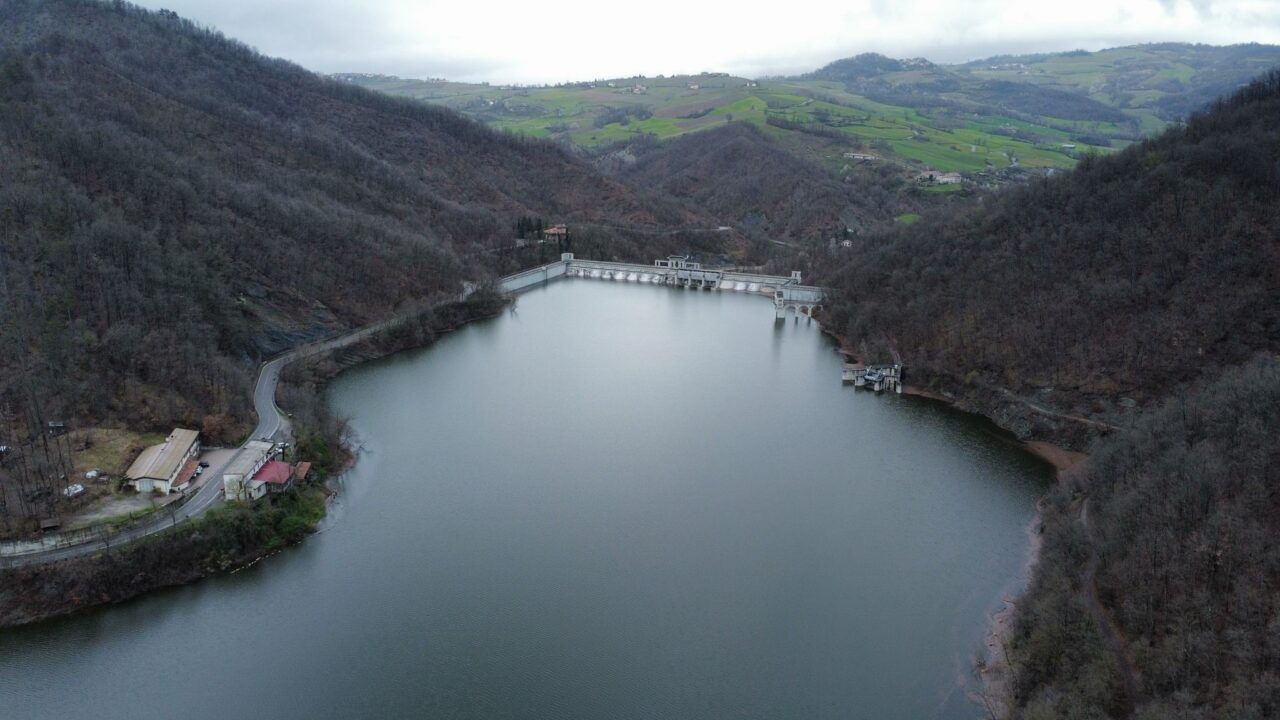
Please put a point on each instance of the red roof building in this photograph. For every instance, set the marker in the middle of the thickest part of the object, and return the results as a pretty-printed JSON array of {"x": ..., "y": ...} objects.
[
  {"x": 275, "y": 472},
  {"x": 186, "y": 474}
]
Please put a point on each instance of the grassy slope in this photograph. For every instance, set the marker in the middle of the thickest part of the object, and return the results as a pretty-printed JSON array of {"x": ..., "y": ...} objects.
[{"x": 1150, "y": 86}]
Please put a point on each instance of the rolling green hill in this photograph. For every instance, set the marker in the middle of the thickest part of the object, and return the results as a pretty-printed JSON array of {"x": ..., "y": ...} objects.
[{"x": 1035, "y": 112}]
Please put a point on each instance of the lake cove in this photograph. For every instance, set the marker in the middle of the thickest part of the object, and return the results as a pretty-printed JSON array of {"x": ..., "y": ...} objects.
[{"x": 615, "y": 501}]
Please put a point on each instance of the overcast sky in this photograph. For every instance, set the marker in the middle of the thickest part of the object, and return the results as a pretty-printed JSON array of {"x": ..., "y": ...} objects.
[{"x": 558, "y": 40}]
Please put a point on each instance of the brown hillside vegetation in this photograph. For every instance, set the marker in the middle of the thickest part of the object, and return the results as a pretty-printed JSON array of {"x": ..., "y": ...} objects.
[
  {"x": 1138, "y": 296},
  {"x": 743, "y": 177},
  {"x": 174, "y": 205},
  {"x": 1178, "y": 520},
  {"x": 1091, "y": 292}
]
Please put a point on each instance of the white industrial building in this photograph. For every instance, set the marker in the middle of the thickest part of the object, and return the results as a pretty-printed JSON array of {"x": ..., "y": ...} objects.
[{"x": 167, "y": 466}]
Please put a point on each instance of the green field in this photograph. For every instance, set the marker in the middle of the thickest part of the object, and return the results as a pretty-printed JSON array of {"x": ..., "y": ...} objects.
[{"x": 1033, "y": 111}]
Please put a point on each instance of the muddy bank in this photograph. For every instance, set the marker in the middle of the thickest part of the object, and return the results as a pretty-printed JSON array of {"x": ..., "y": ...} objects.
[{"x": 993, "y": 669}]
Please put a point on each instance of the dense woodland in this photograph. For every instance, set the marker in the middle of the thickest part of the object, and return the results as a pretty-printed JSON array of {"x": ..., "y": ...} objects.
[
  {"x": 740, "y": 175},
  {"x": 1093, "y": 293},
  {"x": 1121, "y": 300},
  {"x": 1168, "y": 533},
  {"x": 173, "y": 205}
]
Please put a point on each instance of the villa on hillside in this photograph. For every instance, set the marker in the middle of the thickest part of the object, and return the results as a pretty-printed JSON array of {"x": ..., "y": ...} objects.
[{"x": 168, "y": 466}]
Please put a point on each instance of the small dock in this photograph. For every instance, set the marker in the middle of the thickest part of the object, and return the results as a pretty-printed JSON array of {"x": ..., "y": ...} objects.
[{"x": 873, "y": 377}]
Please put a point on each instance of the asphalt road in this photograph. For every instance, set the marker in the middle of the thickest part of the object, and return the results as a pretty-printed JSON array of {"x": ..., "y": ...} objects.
[{"x": 272, "y": 425}]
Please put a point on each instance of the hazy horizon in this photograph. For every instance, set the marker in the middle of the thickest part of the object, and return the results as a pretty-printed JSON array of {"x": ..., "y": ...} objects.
[{"x": 570, "y": 40}]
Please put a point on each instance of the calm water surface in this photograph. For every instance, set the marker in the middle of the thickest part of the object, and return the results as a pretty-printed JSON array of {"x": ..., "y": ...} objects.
[{"x": 616, "y": 501}]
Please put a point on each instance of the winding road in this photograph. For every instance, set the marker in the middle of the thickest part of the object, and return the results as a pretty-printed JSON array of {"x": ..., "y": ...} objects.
[{"x": 272, "y": 425}]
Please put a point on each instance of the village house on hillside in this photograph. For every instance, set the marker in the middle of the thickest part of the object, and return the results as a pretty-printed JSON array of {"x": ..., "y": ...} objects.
[
  {"x": 933, "y": 177},
  {"x": 168, "y": 466},
  {"x": 556, "y": 232}
]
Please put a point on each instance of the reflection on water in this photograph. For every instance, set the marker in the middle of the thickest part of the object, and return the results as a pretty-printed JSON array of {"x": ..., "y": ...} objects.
[{"x": 621, "y": 501}]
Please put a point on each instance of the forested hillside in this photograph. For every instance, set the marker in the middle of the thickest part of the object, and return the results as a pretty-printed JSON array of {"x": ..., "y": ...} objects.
[
  {"x": 174, "y": 205},
  {"x": 1089, "y": 295},
  {"x": 1168, "y": 535},
  {"x": 742, "y": 176}
]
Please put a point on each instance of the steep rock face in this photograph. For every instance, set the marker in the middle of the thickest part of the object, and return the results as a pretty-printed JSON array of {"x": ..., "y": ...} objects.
[{"x": 172, "y": 202}]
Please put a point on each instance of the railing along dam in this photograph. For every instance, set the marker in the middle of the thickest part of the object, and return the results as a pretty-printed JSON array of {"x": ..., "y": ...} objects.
[{"x": 787, "y": 292}]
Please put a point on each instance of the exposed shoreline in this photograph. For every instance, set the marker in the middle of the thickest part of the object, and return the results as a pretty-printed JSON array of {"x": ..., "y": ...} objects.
[
  {"x": 1059, "y": 457},
  {"x": 993, "y": 670}
]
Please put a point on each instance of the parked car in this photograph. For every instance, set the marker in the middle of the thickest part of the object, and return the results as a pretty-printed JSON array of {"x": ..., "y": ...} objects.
[
  {"x": 203, "y": 463},
  {"x": 199, "y": 470},
  {"x": 75, "y": 490}
]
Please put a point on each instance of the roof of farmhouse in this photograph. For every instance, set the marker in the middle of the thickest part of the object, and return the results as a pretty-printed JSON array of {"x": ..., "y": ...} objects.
[{"x": 161, "y": 461}]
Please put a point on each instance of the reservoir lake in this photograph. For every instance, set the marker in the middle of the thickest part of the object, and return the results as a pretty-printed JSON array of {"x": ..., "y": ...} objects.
[{"x": 612, "y": 501}]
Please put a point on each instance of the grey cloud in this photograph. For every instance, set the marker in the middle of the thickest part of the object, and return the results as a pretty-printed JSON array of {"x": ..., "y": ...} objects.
[{"x": 350, "y": 35}]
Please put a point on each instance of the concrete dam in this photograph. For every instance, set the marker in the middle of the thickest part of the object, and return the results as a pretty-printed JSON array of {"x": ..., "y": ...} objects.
[{"x": 787, "y": 293}]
